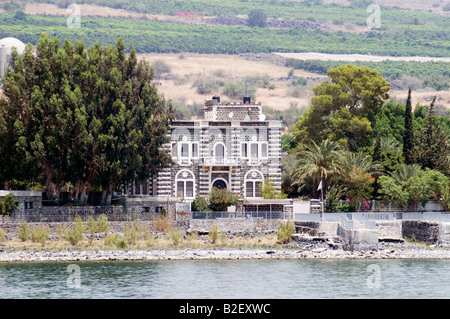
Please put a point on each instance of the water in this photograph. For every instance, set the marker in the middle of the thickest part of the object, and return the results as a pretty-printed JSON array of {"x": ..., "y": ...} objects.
[{"x": 249, "y": 279}]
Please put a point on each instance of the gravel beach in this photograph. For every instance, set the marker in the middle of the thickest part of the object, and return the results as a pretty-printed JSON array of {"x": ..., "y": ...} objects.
[{"x": 385, "y": 251}]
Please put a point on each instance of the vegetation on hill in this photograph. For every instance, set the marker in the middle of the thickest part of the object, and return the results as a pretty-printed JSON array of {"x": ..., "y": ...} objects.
[{"x": 433, "y": 74}]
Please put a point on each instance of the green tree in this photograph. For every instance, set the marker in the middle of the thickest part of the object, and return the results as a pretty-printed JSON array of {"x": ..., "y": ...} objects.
[
  {"x": 200, "y": 205},
  {"x": 88, "y": 117},
  {"x": 220, "y": 199},
  {"x": 315, "y": 163},
  {"x": 355, "y": 176},
  {"x": 268, "y": 191},
  {"x": 352, "y": 98},
  {"x": 419, "y": 187},
  {"x": 257, "y": 18},
  {"x": 351, "y": 131},
  {"x": 8, "y": 204},
  {"x": 408, "y": 136},
  {"x": 433, "y": 144}
]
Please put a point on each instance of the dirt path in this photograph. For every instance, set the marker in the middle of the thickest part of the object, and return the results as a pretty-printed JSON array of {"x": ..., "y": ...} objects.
[{"x": 357, "y": 57}]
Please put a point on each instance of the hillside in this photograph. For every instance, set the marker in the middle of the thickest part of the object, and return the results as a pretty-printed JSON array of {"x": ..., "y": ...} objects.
[
  {"x": 185, "y": 69},
  {"x": 209, "y": 43}
]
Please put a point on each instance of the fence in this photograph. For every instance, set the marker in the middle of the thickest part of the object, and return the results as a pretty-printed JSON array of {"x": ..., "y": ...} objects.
[
  {"x": 381, "y": 206},
  {"x": 370, "y": 219},
  {"x": 69, "y": 214},
  {"x": 259, "y": 214}
]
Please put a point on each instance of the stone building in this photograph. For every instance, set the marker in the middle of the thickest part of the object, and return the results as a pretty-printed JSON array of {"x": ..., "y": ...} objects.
[{"x": 232, "y": 147}]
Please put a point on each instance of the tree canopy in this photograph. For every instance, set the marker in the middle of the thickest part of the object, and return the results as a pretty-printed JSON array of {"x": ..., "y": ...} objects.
[
  {"x": 80, "y": 117},
  {"x": 344, "y": 108}
]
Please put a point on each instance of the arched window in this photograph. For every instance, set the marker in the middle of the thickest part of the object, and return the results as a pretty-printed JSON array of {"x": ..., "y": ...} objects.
[
  {"x": 220, "y": 183},
  {"x": 253, "y": 181},
  {"x": 185, "y": 184},
  {"x": 219, "y": 152}
]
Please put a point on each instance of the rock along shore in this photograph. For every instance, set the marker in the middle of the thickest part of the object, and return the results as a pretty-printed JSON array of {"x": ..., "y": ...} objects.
[{"x": 387, "y": 252}]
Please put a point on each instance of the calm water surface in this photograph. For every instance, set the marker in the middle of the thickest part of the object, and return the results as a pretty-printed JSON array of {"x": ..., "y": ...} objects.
[{"x": 276, "y": 279}]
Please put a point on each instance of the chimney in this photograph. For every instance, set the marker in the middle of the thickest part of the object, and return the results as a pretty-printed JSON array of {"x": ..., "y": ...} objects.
[{"x": 217, "y": 98}]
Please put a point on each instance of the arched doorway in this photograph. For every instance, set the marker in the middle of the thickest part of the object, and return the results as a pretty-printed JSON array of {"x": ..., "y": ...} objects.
[{"x": 220, "y": 184}]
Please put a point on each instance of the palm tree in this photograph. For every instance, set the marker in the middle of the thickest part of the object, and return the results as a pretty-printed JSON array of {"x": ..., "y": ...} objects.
[
  {"x": 315, "y": 163},
  {"x": 355, "y": 177},
  {"x": 405, "y": 172},
  {"x": 390, "y": 144},
  {"x": 348, "y": 161}
]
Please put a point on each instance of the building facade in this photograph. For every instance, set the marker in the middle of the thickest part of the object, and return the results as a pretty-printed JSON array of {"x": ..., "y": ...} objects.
[{"x": 232, "y": 147}]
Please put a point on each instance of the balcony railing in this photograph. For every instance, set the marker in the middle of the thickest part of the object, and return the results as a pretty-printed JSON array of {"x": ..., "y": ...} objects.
[
  {"x": 221, "y": 161},
  {"x": 211, "y": 161}
]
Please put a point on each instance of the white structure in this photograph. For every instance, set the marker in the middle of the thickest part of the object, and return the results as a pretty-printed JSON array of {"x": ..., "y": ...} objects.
[{"x": 6, "y": 47}]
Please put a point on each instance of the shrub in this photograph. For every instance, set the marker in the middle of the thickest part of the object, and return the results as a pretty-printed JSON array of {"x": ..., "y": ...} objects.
[
  {"x": 8, "y": 204},
  {"x": 75, "y": 234},
  {"x": 92, "y": 225},
  {"x": 162, "y": 223},
  {"x": 134, "y": 232},
  {"x": 176, "y": 237},
  {"x": 120, "y": 242},
  {"x": 39, "y": 234},
  {"x": 160, "y": 67},
  {"x": 214, "y": 234},
  {"x": 285, "y": 232},
  {"x": 102, "y": 223},
  {"x": 200, "y": 205},
  {"x": 2, "y": 235},
  {"x": 110, "y": 239},
  {"x": 24, "y": 231},
  {"x": 257, "y": 18},
  {"x": 220, "y": 199}
]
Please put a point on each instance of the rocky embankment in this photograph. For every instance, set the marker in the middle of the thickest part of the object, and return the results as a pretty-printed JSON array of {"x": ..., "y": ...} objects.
[{"x": 295, "y": 251}]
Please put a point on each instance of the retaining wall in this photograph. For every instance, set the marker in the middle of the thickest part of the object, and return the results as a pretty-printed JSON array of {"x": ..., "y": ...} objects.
[{"x": 235, "y": 225}]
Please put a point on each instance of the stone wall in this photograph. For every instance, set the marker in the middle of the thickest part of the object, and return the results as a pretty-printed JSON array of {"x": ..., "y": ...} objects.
[
  {"x": 421, "y": 231},
  {"x": 235, "y": 225}
]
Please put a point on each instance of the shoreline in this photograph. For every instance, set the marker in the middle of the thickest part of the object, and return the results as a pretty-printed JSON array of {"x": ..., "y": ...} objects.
[{"x": 386, "y": 252}]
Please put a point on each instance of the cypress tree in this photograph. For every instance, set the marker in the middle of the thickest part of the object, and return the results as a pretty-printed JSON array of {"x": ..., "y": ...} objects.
[
  {"x": 408, "y": 137},
  {"x": 433, "y": 147}
]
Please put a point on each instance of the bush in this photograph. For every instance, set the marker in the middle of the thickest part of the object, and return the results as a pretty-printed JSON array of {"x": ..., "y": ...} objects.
[
  {"x": 24, "y": 231},
  {"x": 285, "y": 232},
  {"x": 39, "y": 234},
  {"x": 8, "y": 204},
  {"x": 2, "y": 235},
  {"x": 176, "y": 237},
  {"x": 160, "y": 67},
  {"x": 102, "y": 223},
  {"x": 133, "y": 233},
  {"x": 120, "y": 242},
  {"x": 220, "y": 199},
  {"x": 162, "y": 223},
  {"x": 214, "y": 234},
  {"x": 257, "y": 18},
  {"x": 75, "y": 234},
  {"x": 200, "y": 205}
]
